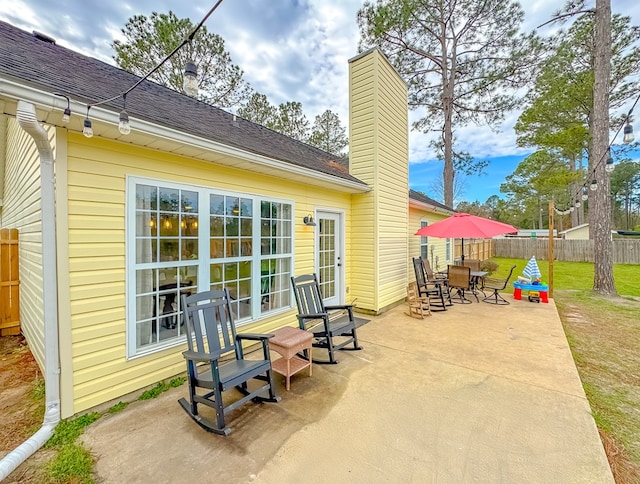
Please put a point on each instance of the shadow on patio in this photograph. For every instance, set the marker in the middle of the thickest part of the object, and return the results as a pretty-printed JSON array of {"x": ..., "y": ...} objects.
[{"x": 478, "y": 393}]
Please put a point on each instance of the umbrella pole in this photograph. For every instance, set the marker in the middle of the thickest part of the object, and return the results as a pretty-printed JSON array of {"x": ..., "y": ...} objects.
[{"x": 462, "y": 255}]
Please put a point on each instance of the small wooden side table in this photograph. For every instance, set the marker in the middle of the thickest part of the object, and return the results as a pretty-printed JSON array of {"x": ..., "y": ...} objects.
[{"x": 287, "y": 342}]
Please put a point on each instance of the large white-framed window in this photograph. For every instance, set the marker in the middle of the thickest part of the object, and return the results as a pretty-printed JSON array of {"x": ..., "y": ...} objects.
[
  {"x": 182, "y": 239},
  {"x": 424, "y": 242}
]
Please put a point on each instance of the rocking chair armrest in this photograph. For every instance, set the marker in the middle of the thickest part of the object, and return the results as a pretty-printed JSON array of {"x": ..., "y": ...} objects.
[
  {"x": 312, "y": 316},
  {"x": 340, "y": 306},
  {"x": 197, "y": 356},
  {"x": 254, "y": 336}
]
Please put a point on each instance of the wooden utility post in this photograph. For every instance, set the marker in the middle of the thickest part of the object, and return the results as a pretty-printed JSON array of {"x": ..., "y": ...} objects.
[{"x": 550, "y": 254}]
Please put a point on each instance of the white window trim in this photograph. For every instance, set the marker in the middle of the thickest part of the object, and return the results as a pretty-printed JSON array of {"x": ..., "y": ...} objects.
[{"x": 204, "y": 259}]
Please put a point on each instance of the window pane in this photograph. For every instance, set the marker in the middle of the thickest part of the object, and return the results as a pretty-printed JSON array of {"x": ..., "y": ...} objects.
[
  {"x": 169, "y": 199},
  {"x": 169, "y": 249},
  {"x": 233, "y": 206},
  {"x": 189, "y": 225},
  {"x": 216, "y": 205},
  {"x": 189, "y": 201},
  {"x": 146, "y": 197},
  {"x": 246, "y": 207},
  {"x": 274, "y": 286},
  {"x": 217, "y": 226}
]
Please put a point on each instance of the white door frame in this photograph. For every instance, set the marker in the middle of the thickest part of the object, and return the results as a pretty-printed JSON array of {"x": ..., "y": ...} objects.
[{"x": 338, "y": 256}]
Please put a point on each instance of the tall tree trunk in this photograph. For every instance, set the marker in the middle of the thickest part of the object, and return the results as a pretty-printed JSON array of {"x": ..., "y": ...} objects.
[
  {"x": 600, "y": 200},
  {"x": 448, "y": 83}
]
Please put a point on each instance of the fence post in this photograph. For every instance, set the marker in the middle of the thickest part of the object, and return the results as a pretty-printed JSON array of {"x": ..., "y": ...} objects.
[
  {"x": 551, "y": 255},
  {"x": 9, "y": 283}
]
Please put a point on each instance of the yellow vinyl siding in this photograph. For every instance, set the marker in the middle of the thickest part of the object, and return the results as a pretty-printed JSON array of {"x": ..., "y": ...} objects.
[
  {"x": 97, "y": 173},
  {"x": 416, "y": 216},
  {"x": 379, "y": 157},
  {"x": 22, "y": 210}
]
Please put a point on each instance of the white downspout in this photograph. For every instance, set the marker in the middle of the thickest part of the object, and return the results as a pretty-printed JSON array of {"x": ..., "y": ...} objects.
[{"x": 26, "y": 116}]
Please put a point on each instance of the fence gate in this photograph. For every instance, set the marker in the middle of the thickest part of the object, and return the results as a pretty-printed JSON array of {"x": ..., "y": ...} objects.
[{"x": 9, "y": 283}]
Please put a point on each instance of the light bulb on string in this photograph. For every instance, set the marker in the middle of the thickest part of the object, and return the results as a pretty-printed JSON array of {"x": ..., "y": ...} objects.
[
  {"x": 585, "y": 194},
  {"x": 594, "y": 185},
  {"x": 578, "y": 203},
  {"x": 123, "y": 125},
  {"x": 628, "y": 133},
  {"x": 609, "y": 166},
  {"x": 190, "y": 79}
]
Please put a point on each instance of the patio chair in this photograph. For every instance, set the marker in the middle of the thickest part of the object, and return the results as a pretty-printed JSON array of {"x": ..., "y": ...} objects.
[
  {"x": 433, "y": 290},
  {"x": 418, "y": 305},
  {"x": 438, "y": 278},
  {"x": 329, "y": 333},
  {"x": 213, "y": 342},
  {"x": 460, "y": 280},
  {"x": 496, "y": 285}
]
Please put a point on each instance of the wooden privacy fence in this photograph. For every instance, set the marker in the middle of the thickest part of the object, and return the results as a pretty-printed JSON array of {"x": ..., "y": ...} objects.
[
  {"x": 473, "y": 248},
  {"x": 625, "y": 251},
  {"x": 9, "y": 283}
]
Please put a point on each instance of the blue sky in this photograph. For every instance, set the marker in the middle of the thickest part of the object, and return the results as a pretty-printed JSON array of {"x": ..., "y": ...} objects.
[{"x": 290, "y": 50}]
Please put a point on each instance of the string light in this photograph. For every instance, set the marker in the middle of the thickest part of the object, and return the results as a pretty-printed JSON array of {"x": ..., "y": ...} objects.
[
  {"x": 123, "y": 126},
  {"x": 87, "y": 130},
  {"x": 66, "y": 115},
  {"x": 609, "y": 166},
  {"x": 190, "y": 80},
  {"x": 190, "y": 72},
  {"x": 628, "y": 132}
]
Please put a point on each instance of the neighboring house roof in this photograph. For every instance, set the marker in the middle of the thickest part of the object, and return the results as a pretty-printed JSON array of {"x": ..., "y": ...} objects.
[
  {"x": 29, "y": 60},
  {"x": 425, "y": 200},
  {"x": 573, "y": 229}
]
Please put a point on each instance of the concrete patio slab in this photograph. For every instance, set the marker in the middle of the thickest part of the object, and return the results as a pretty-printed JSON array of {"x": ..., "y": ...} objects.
[{"x": 478, "y": 393}]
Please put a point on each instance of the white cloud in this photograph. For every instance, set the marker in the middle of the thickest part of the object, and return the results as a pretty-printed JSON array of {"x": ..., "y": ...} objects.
[{"x": 290, "y": 50}]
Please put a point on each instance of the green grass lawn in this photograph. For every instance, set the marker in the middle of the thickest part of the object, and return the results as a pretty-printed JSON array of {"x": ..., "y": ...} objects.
[
  {"x": 604, "y": 336},
  {"x": 574, "y": 275}
]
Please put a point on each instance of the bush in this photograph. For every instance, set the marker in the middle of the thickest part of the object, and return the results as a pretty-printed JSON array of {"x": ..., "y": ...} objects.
[{"x": 488, "y": 266}]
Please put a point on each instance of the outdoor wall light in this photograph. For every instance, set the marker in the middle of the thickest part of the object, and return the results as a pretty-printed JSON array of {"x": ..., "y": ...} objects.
[{"x": 308, "y": 220}]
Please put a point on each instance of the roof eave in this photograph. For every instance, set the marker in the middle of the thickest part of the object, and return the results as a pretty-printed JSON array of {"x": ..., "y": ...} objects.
[{"x": 105, "y": 122}]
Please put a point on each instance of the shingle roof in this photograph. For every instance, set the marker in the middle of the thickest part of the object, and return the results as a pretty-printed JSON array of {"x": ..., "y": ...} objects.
[
  {"x": 51, "y": 68},
  {"x": 421, "y": 197}
]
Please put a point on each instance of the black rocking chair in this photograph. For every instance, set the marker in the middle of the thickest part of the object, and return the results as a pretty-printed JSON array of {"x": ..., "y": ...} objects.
[
  {"x": 211, "y": 335},
  {"x": 314, "y": 316},
  {"x": 436, "y": 289}
]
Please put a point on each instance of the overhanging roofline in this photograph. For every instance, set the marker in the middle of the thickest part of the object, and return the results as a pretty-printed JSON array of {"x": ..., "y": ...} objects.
[
  {"x": 428, "y": 206},
  {"x": 49, "y": 103}
]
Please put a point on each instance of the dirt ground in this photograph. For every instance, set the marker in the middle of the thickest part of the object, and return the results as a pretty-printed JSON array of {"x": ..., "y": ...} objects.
[{"x": 21, "y": 407}]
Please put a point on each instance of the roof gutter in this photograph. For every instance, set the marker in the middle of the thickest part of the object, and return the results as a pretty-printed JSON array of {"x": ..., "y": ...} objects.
[
  {"x": 49, "y": 102},
  {"x": 26, "y": 115}
]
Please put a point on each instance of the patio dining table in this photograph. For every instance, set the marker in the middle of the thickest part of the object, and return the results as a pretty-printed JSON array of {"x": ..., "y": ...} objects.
[{"x": 475, "y": 278}]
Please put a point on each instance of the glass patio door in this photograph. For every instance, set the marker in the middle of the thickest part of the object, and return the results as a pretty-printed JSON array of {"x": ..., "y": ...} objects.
[{"x": 329, "y": 257}]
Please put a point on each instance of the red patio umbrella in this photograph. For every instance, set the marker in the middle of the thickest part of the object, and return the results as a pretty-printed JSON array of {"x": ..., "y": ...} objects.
[{"x": 465, "y": 225}]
